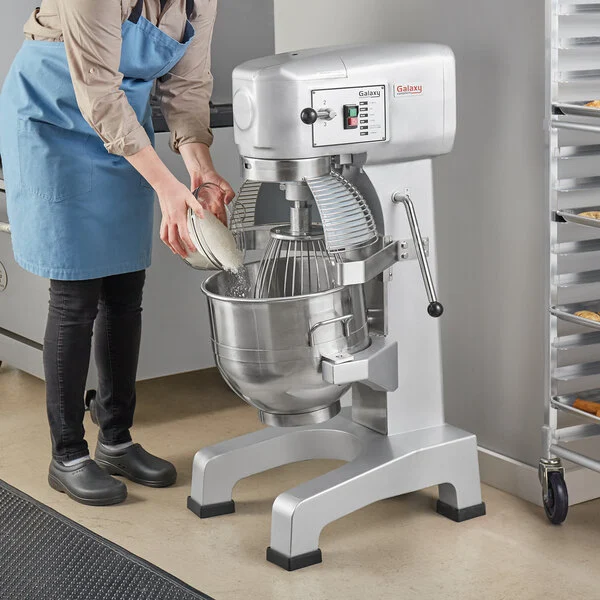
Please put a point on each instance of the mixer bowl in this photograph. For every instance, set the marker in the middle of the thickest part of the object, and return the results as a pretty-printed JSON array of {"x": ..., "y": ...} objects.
[{"x": 269, "y": 351}]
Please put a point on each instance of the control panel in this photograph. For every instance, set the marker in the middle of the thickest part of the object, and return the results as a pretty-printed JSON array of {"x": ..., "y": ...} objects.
[{"x": 349, "y": 115}]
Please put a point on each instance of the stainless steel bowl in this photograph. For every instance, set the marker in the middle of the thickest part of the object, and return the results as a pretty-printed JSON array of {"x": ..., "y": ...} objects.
[{"x": 269, "y": 351}]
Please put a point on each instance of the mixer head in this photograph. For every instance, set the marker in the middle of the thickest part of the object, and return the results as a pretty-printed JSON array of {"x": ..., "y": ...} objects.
[
  {"x": 384, "y": 103},
  {"x": 394, "y": 102}
]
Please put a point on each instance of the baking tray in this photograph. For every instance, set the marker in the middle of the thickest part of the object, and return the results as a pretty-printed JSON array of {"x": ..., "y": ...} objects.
[
  {"x": 572, "y": 216},
  {"x": 567, "y": 313},
  {"x": 578, "y": 109},
  {"x": 565, "y": 403}
]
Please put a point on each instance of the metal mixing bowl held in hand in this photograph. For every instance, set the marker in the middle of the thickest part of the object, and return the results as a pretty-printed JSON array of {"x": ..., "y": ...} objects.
[{"x": 270, "y": 350}]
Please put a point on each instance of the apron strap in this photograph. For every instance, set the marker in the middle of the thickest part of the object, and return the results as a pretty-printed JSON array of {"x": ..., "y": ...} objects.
[
  {"x": 189, "y": 8},
  {"x": 136, "y": 13}
]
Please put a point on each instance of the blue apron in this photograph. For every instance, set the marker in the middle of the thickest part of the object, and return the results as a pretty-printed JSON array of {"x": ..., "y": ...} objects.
[{"x": 77, "y": 212}]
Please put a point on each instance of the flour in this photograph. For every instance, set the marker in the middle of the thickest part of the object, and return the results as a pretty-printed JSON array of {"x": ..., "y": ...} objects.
[
  {"x": 220, "y": 241},
  {"x": 239, "y": 285}
]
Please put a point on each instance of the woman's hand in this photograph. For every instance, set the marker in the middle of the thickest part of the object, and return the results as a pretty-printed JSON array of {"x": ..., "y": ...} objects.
[
  {"x": 175, "y": 199},
  {"x": 201, "y": 169}
]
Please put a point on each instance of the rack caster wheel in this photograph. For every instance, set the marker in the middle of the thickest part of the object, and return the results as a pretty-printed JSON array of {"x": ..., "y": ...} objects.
[
  {"x": 90, "y": 397},
  {"x": 556, "y": 503}
]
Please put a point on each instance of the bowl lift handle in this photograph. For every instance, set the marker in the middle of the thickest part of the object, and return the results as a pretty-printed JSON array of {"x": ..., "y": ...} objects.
[
  {"x": 435, "y": 308},
  {"x": 344, "y": 320}
]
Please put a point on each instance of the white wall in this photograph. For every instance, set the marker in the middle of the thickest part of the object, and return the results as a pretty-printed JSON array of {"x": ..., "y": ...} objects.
[{"x": 489, "y": 192}]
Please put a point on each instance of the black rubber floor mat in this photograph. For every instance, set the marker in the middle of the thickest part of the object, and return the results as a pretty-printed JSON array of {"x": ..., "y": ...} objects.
[{"x": 45, "y": 556}]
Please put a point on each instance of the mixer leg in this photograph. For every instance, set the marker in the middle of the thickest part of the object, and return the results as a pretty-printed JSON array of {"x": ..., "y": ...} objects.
[
  {"x": 460, "y": 498},
  {"x": 218, "y": 468},
  {"x": 389, "y": 466}
]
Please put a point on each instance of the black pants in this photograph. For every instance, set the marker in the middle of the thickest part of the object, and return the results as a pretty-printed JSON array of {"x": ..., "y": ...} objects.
[{"x": 114, "y": 304}]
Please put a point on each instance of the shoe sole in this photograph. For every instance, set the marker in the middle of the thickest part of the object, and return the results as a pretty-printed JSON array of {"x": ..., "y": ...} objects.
[
  {"x": 114, "y": 470},
  {"x": 57, "y": 485}
]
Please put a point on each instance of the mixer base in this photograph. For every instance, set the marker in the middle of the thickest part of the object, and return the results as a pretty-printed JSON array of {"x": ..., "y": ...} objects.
[{"x": 378, "y": 467}]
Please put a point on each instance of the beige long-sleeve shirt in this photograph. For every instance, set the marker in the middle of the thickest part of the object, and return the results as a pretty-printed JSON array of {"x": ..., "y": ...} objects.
[{"x": 91, "y": 31}]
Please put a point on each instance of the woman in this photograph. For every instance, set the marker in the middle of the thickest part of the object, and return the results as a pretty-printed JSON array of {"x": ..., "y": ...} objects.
[{"x": 81, "y": 172}]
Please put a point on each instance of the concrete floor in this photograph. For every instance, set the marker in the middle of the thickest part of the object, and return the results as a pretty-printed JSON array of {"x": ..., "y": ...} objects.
[{"x": 396, "y": 549}]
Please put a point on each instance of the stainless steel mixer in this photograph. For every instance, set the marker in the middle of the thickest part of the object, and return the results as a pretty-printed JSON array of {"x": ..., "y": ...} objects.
[{"x": 334, "y": 308}]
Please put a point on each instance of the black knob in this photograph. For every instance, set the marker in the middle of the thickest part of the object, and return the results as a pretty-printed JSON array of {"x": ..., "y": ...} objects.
[
  {"x": 309, "y": 116},
  {"x": 435, "y": 310}
]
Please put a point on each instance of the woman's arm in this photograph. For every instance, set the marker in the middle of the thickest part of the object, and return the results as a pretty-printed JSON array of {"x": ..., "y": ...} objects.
[
  {"x": 174, "y": 199},
  {"x": 185, "y": 94},
  {"x": 92, "y": 36},
  {"x": 185, "y": 91}
]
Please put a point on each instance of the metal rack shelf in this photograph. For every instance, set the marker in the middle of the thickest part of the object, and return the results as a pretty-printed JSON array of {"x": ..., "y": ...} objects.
[
  {"x": 573, "y": 152},
  {"x": 574, "y": 215},
  {"x": 558, "y": 122},
  {"x": 575, "y": 76},
  {"x": 567, "y": 281},
  {"x": 577, "y": 184},
  {"x": 567, "y": 313},
  {"x": 578, "y": 43},
  {"x": 578, "y": 109},
  {"x": 577, "y": 341},
  {"x": 579, "y": 8},
  {"x": 577, "y": 372},
  {"x": 565, "y": 404},
  {"x": 569, "y": 249}
]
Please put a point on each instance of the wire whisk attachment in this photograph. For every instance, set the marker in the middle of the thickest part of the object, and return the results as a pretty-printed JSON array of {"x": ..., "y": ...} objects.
[{"x": 295, "y": 265}]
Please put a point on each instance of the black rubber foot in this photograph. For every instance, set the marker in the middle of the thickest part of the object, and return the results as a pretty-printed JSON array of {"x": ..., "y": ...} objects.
[
  {"x": 295, "y": 562},
  {"x": 461, "y": 514},
  {"x": 211, "y": 510}
]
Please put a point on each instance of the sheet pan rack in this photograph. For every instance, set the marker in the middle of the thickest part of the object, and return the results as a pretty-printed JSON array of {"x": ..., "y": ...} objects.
[{"x": 573, "y": 129}]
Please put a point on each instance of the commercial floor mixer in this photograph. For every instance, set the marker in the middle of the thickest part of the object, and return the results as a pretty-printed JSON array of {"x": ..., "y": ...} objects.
[{"x": 334, "y": 310}]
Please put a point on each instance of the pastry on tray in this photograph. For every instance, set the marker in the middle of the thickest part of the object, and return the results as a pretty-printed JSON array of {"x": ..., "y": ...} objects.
[
  {"x": 588, "y": 314},
  {"x": 594, "y": 104},
  {"x": 587, "y": 406},
  {"x": 590, "y": 214}
]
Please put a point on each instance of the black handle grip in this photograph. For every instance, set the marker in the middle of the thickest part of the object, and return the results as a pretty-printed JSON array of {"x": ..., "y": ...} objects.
[
  {"x": 309, "y": 116},
  {"x": 435, "y": 309}
]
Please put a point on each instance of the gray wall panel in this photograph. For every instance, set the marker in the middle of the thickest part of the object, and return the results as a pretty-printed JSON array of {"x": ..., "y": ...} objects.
[
  {"x": 243, "y": 30},
  {"x": 11, "y": 30}
]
